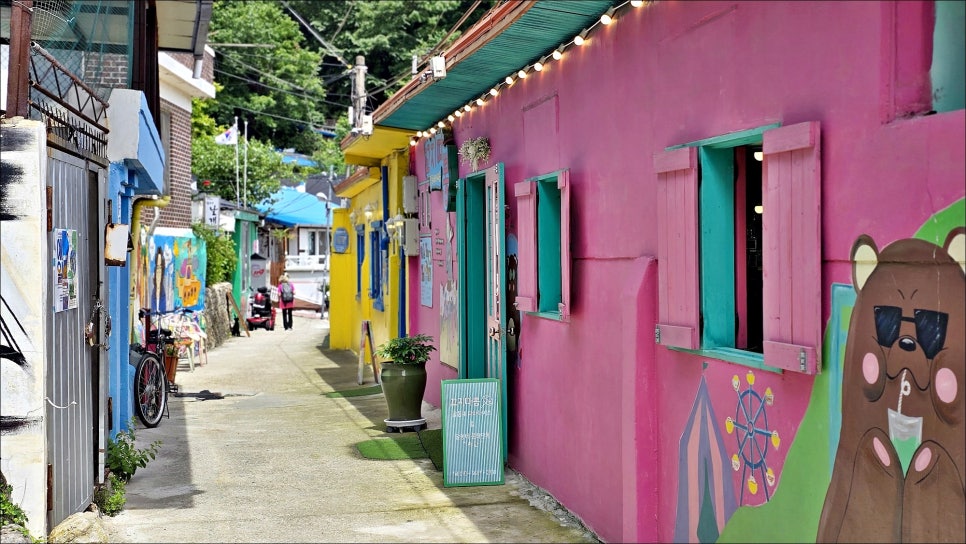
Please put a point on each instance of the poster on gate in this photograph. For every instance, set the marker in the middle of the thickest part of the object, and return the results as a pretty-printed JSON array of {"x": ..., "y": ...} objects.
[{"x": 65, "y": 269}]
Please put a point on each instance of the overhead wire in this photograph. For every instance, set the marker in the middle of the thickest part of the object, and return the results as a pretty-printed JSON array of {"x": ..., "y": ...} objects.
[{"x": 284, "y": 91}]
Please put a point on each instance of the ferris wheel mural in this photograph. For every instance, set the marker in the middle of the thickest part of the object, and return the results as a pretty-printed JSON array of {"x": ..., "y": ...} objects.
[{"x": 754, "y": 437}]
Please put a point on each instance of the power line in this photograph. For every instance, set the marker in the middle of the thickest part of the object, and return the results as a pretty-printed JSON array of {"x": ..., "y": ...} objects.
[
  {"x": 284, "y": 91},
  {"x": 266, "y": 74},
  {"x": 299, "y": 121}
]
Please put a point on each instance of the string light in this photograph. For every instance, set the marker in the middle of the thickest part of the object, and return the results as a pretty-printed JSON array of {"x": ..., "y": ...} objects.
[
  {"x": 607, "y": 18},
  {"x": 557, "y": 54}
]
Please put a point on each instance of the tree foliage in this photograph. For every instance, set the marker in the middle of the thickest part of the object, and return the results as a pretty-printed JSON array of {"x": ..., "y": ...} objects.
[
  {"x": 387, "y": 33},
  {"x": 268, "y": 75},
  {"x": 220, "y": 251},
  {"x": 214, "y": 166}
]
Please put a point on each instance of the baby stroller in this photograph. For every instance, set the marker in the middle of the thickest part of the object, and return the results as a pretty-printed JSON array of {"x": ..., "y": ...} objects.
[{"x": 262, "y": 311}]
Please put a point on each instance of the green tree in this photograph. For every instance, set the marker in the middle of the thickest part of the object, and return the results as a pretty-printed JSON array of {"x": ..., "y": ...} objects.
[
  {"x": 214, "y": 166},
  {"x": 387, "y": 33},
  {"x": 220, "y": 251},
  {"x": 270, "y": 78}
]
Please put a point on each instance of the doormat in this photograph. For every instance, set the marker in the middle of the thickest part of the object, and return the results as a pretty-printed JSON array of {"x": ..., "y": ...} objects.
[
  {"x": 358, "y": 392},
  {"x": 419, "y": 445}
]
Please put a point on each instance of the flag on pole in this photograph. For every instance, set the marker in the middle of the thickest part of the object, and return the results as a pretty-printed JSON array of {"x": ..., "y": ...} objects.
[{"x": 229, "y": 137}]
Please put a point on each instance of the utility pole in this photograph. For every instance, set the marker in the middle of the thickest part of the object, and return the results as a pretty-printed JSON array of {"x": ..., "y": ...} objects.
[{"x": 358, "y": 113}]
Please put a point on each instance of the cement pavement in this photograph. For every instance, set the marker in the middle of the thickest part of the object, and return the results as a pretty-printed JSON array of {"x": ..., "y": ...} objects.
[{"x": 255, "y": 452}]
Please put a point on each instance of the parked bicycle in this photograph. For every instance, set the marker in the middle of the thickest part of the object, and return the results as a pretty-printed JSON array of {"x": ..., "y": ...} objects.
[{"x": 151, "y": 386}]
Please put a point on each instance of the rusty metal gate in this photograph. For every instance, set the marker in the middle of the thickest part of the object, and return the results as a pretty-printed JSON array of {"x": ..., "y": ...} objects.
[{"x": 75, "y": 370}]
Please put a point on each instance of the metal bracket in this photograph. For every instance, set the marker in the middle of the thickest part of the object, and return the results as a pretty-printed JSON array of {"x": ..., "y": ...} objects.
[
  {"x": 657, "y": 334},
  {"x": 802, "y": 358}
]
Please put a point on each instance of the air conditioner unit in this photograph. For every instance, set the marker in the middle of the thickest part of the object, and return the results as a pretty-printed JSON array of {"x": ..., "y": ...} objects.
[
  {"x": 409, "y": 199},
  {"x": 438, "y": 66}
]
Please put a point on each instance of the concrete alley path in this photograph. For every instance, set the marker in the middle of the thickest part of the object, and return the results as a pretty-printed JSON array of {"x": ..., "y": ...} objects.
[{"x": 267, "y": 457}]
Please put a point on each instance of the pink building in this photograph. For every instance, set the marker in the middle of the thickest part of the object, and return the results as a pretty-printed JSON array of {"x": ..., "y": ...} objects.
[{"x": 715, "y": 256}]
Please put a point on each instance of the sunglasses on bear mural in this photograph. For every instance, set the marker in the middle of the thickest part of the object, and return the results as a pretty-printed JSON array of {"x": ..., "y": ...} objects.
[{"x": 930, "y": 328}]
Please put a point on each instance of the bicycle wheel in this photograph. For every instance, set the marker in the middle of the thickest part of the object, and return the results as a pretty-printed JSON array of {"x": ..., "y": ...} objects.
[{"x": 150, "y": 393}]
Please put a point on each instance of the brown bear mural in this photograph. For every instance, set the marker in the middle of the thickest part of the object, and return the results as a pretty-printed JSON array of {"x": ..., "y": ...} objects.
[{"x": 899, "y": 468}]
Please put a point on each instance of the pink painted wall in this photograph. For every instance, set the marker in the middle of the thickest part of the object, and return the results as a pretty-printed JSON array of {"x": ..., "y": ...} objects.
[{"x": 667, "y": 74}]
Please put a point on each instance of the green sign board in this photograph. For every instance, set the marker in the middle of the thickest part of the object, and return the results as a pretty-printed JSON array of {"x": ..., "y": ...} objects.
[{"x": 472, "y": 432}]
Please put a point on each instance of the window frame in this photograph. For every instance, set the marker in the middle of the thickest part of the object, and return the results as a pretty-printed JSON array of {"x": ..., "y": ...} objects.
[
  {"x": 791, "y": 310},
  {"x": 543, "y": 220},
  {"x": 376, "y": 265},
  {"x": 360, "y": 258}
]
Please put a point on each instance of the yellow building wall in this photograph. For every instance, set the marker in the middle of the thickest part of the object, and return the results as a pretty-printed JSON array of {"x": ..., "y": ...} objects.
[{"x": 349, "y": 306}]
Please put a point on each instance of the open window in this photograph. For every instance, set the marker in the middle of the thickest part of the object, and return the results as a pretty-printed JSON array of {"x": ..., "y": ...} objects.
[
  {"x": 739, "y": 247},
  {"x": 543, "y": 266}
]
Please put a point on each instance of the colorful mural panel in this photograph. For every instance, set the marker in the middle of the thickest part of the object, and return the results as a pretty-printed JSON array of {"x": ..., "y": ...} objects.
[
  {"x": 170, "y": 273},
  {"x": 849, "y": 410},
  {"x": 900, "y": 462},
  {"x": 705, "y": 493},
  {"x": 177, "y": 273}
]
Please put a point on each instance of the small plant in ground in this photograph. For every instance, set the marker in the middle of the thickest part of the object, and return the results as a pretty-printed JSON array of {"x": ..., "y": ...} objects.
[
  {"x": 110, "y": 498},
  {"x": 124, "y": 457},
  {"x": 10, "y": 512}
]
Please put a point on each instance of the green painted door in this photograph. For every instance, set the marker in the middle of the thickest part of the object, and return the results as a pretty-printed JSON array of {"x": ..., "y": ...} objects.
[{"x": 482, "y": 275}]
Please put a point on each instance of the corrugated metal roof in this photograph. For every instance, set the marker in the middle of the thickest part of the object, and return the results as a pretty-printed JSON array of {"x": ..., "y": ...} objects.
[{"x": 544, "y": 26}]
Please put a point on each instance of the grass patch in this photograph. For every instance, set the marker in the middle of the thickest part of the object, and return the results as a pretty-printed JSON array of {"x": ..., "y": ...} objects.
[
  {"x": 358, "y": 392},
  {"x": 428, "y": 443}
]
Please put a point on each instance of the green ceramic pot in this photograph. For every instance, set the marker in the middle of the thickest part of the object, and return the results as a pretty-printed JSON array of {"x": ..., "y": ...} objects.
[{"x": 403, "y": 387}]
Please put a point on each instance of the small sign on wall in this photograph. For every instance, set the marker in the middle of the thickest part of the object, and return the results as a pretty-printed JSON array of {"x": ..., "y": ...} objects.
[
  {"x": 212, "y": 208},
  {"x": 340, "y": 240}
]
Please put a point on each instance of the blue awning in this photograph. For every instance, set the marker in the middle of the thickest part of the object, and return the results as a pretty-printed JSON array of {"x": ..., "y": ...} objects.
[{"x": 291, "y": 208}]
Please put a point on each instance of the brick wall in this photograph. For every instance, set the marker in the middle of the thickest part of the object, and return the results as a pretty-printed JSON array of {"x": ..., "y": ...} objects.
[
  {"x": 178, "y": 212},
  {"x": 188, "y": 60},
  {"x": 107, "y": 71}
]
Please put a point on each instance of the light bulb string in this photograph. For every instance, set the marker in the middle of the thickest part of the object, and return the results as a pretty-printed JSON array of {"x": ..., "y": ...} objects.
[{"x": 522, "y": 73}]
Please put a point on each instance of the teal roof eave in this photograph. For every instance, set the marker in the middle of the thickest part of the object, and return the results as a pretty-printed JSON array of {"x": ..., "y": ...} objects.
[{"x": 547, "y": 24}]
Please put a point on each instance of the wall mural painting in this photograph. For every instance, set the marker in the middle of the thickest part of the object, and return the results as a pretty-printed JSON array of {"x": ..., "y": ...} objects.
[
  {"x": 706, "y": 496},
  {"x": 896, "y": 468},
  {"x": 754, "y": 438},
  {"x": 21, "y": 404},
  {"x": 26, "y": 263},
  {"x": 177, "y": 273},
  {"x": 900, "y": 465},
  {"x": 449, "y": 311}
]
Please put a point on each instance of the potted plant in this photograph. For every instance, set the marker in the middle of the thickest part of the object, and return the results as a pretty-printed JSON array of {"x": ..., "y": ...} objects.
[
  {"x": 171, "y": 355},
  {"x": 403, "y": 378}
]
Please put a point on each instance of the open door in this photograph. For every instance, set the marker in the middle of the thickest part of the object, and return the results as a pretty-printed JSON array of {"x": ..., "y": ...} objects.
[{"x": 482, "y": 276}]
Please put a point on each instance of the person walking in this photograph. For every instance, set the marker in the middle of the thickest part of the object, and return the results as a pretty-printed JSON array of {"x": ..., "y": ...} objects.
[{"x": 286, "y": 300}]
